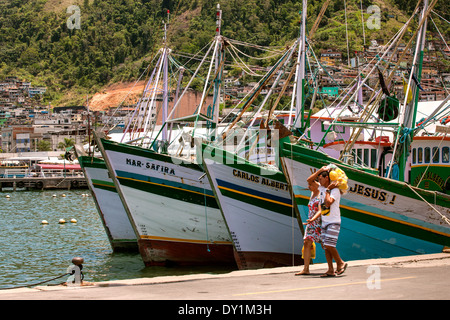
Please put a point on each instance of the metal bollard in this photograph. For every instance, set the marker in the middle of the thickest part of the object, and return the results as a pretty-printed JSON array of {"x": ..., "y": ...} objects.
[{"x": 76, "y": 276}]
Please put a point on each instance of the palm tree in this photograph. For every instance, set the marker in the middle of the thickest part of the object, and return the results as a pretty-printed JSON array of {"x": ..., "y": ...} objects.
[{"x": 68, "y": 142}]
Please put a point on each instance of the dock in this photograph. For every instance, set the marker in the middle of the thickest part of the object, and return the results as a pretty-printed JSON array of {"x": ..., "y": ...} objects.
[
  {"x": 42, "y": 176},
  {"x": 400, "y": 278},
  {"x": 44, "y": 183}
]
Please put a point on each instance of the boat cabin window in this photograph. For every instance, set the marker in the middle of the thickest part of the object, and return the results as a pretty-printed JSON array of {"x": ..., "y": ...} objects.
[
  {"x": 430, "y": 155},
  {"x": 359, "y": 156},
  {"x": 435, "y": 154},
  {"x": 335, "y": 128},
  {"x": 367, "y": 157},
  {"x": 419, "y": 155},
  {"x": 427, "y": 154},
  {"x": 373, "y": 158},
  {"x": 445, "y": 154}
]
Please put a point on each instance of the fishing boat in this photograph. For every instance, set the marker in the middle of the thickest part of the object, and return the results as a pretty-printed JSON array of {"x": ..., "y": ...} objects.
[
  {"x": 253, "y": 192},
  {"x": 253, "y": 195},
  {"x": 177, "y": 216},
  {"x": 17, "y": 166},
  {"x": 382, "y": 216},
  {"x": 168, "y": 198},
  {"x": 45, "y": 175},
  {"x": 258, "y": 210},
  {"x": 112, "y": 213}
]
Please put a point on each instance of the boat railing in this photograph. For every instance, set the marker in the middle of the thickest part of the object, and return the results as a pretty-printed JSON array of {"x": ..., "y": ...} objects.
[
  {"x": 15, "y": 173},
  {"x": 57, "y": 173},
  {"x": 46, "y": 173}
]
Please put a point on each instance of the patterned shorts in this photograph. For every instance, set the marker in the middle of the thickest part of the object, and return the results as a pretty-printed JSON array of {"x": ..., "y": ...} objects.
[{"x": 330, "y": 234}]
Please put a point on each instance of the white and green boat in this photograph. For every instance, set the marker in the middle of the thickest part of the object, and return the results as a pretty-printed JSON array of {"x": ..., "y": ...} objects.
[
  {"x": 174, "y": 212},
  {"x": 254, "y": 195},
  {"x": 167, "y": 197},
  {"x": 258, "y": 210},
  {"x": 112, "y": 213}
]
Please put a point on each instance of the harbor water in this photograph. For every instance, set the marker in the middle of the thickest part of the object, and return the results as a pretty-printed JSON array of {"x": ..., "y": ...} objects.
[{"x": 32, "y": 252}]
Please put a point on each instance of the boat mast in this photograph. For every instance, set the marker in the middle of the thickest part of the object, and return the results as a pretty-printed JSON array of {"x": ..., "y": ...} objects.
[
  {"x": 165, "y": 86},
  {"x": 408, "y": 116},
  {"x": 218, "y": 80},
  {"x": 300, "y": 83},
  {"x": 89, "y": 126}
]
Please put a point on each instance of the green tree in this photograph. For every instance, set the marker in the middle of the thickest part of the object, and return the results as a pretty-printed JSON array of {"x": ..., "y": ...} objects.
[
  {"x": 44, "y": 145},
  {"x": 68, "y": 142}
]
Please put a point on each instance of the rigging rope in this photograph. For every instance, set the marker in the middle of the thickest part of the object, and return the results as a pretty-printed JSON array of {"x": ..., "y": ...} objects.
[
  {"x": 366, "y": 114},
  {"x": 276, "y": 54},
  {"x": 264, "y": 48},
  {"x": 440, "y": 16},
  {"x": 241, "y": 63},
  {"x": 445, "y": 42}
]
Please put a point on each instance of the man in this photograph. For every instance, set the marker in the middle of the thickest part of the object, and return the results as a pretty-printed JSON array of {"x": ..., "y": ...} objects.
[{"x": 330, "y": 196}]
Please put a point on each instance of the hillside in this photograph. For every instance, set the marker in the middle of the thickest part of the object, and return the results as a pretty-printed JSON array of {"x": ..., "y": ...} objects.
[
  {"x": 116, "y": 94},
  {"x": 117, "y": 38}
]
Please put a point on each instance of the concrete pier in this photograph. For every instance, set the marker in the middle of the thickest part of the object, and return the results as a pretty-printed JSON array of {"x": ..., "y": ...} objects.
[{"x": 401, "y": 278}]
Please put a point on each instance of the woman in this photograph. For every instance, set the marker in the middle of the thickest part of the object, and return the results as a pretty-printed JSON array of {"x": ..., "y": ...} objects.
[{"x": 313, "y": 229}]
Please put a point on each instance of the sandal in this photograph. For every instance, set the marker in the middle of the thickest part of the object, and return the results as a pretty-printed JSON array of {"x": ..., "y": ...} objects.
[
  {"x": 325, "y": 275},
  {"x": 342, "y": 270}
]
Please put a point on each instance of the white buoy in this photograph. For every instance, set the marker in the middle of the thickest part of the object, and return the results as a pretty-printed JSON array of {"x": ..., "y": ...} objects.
[
  {"x": 73, "y": 220},
  {"x": 8, "y": 196},
  {"x": 44, "y": 222},
  {"x": 62, "y": 221},
  {"x": 83, "y": 195},
  {"x": 54, "y": 196}
]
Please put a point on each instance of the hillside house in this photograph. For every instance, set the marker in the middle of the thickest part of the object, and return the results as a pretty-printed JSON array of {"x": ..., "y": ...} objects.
[{"x": 330, "y": 57}]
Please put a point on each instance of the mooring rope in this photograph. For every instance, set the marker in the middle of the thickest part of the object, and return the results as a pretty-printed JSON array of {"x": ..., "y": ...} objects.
[
  {"x": 447, "y": 220},
  {"x": 35, "y": 284}
]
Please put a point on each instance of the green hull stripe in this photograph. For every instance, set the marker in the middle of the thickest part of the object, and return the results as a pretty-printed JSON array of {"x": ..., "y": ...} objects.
[
  {"x": 104, "y": 185},
  {"x": 91, "y": 162},
  {"x": 170, "y": 192},
  {"x": 147, "y": 153}
]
